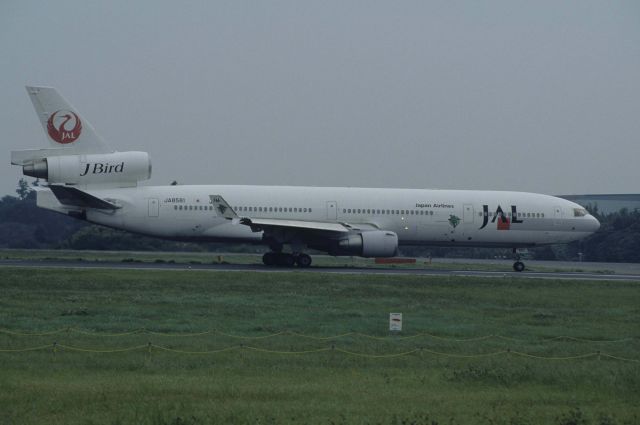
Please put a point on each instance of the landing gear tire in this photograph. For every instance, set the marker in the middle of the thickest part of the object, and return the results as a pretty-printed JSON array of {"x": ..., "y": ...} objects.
[
  {"x": 518, "y": 266},
  {"x": 270, "y": 259},
  {"x": 303, "y": 260},
  {"x": 286, "y": 260}
]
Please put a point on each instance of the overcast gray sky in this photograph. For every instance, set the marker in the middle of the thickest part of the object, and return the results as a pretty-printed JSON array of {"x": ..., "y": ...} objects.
[{"x": 533, "y": 95}]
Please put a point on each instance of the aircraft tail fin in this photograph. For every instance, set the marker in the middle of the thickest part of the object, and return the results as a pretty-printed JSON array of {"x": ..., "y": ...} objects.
[{"x": 64, "y": 126}]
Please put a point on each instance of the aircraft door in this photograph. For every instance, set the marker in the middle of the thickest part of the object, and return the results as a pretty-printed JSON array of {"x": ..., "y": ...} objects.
[
  {"x": 154, "y": 207},
  {"x": 468, "y": 217},
  {"x": 332, "y": 210},
  {"x": 557, "y": 215},
  {"x": 467, "y": 214}
]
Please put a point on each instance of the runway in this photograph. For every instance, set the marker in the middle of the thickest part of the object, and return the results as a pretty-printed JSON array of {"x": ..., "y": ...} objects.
[{"x": 255, "y": 268}]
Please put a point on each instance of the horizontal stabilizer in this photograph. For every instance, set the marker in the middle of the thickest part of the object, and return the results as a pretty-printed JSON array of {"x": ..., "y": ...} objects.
[
  {"x": 29, "y": 156},
  {"x": 75, "y": 197}
]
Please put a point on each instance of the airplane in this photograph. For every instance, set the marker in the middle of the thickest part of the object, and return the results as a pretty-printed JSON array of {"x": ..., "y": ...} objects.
[{"x": 88, "y": 180}]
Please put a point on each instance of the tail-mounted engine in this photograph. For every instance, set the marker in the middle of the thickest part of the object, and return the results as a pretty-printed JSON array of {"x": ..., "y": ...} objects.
[
  {"x": 117, "y": 169},
  {"x": 77, "y": 154}
]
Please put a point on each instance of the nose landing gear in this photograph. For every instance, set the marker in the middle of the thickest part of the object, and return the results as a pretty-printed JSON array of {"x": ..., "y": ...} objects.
[{"x": 518, "y": 265}]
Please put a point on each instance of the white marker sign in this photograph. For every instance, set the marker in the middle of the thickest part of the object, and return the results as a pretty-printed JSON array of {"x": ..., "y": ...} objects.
[{"x": 395, "y": 322}]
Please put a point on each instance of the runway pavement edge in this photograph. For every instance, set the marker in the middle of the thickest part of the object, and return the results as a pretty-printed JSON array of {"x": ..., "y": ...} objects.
[{"x": 329, "y": 270}]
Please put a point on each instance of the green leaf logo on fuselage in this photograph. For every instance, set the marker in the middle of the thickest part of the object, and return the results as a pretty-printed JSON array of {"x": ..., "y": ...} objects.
[{"x": 454, "y": 220}]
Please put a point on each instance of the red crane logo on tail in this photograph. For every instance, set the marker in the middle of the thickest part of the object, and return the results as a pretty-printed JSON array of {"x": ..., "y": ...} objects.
[{"x": 61, "y": 130}]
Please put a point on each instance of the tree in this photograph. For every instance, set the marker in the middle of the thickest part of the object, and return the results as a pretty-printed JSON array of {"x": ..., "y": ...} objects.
[{"x": 23, "y": 189}]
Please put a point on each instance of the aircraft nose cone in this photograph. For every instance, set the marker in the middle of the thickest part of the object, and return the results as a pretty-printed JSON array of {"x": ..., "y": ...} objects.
[{"x": 594, "y": 224}]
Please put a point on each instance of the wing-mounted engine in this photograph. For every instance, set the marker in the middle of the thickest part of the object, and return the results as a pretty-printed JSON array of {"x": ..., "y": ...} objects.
[
  {"x": 116, "y": 169},
  {"x": 374, "y": 243}
]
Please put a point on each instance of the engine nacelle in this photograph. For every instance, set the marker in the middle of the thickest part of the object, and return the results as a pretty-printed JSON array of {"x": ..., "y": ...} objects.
[
  {"x": 375, "y": 243},
  {"x": 121, "y": 168}
]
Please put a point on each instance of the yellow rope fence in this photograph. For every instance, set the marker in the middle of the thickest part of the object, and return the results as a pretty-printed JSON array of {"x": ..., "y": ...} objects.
[
  {"x": 312, "y": 337},
  {"x": 55, "y": 347}
]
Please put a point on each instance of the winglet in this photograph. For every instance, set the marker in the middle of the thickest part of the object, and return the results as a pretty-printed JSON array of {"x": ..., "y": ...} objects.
[{"x": 222, "y": 207}]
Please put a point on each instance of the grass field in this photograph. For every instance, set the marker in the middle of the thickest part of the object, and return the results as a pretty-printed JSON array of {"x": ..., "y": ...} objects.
[{"x": 345, "y": 383}]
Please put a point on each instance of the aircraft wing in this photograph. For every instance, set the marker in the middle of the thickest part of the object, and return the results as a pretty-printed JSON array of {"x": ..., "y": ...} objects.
[
  {"x": 258, "y": 224},
  {"x": 269, "y": 224}
]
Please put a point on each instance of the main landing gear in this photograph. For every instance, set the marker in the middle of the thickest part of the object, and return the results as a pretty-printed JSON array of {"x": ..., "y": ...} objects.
[
  {"x": 286, "y": 260},
  {"x": 518, "y": 265}
]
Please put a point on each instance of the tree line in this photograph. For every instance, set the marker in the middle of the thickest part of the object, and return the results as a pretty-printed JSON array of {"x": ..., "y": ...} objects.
[{"x": 23, "y": 225}]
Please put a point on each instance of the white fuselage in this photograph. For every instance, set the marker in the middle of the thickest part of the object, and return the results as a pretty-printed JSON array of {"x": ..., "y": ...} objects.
[
  {"x": 89, "y": 180},
  {"x": 418, "y": 216}
]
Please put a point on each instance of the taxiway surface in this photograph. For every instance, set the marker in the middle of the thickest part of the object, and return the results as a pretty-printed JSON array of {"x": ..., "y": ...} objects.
[{"x": 331, "y": 270}]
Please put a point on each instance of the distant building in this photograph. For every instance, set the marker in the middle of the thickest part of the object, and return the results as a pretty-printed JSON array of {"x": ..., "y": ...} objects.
[{"x": 607, "y": 203}]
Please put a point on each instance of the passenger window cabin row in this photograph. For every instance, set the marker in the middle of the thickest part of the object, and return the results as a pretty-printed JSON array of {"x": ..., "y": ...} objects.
[
  {"x": 193, "y": 207},
  {"x": 273, "y": 209},
  {"x": 385, "y": 212},
  {"x": 244, "y": 209},
  {"x": 344, "y": 211},
  {"x": 508, "y": 214}
]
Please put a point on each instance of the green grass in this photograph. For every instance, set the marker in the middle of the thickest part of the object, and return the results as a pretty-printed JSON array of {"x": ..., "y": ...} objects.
[{"x": 246, "y": 386}]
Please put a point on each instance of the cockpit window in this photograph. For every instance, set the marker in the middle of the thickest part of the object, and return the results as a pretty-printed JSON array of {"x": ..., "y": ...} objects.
[{"x": 579, "y": 212}]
